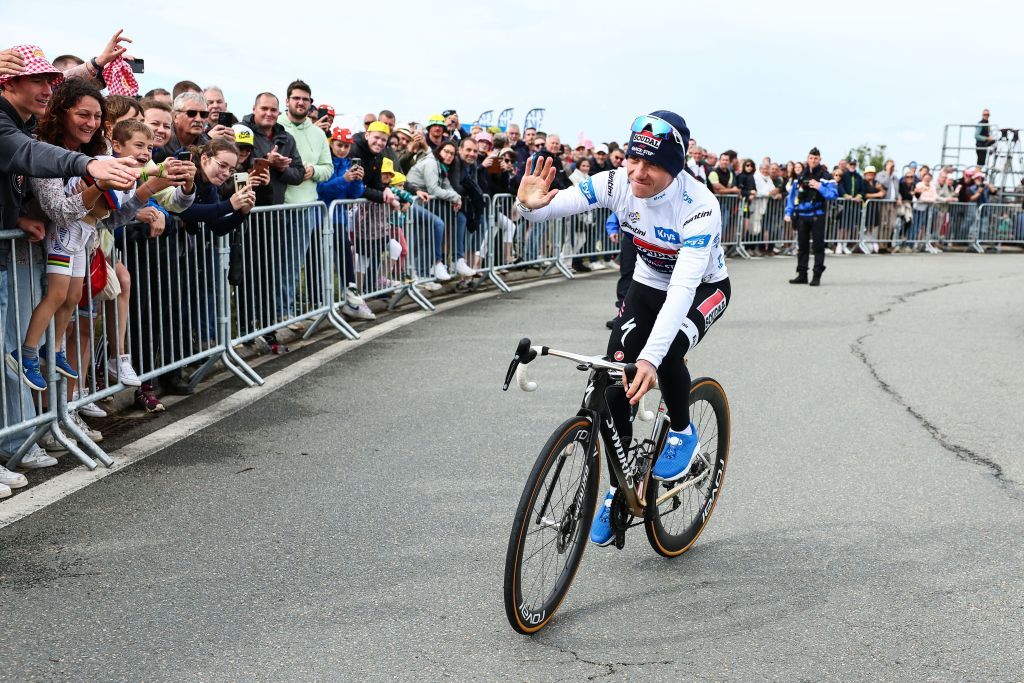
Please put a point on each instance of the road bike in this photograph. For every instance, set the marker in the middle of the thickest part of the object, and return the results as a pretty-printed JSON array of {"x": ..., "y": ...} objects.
[{"x": 552, "y": 522}]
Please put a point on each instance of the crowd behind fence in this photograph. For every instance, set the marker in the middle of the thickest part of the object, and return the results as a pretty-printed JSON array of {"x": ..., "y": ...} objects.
[{"x": 196, "y": 300}]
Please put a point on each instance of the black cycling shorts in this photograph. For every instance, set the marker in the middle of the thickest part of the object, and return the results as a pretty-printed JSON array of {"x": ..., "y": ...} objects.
[{"x": 636, "y": 320}]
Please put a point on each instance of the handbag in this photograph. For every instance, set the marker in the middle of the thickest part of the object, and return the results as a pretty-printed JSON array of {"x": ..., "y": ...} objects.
[{"x": 97, "y": 280}]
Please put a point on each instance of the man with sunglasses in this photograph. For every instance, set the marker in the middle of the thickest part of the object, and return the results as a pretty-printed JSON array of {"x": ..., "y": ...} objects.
[
  {"x": 680, "y": 286},
  {"x": 190, "y": 115}
]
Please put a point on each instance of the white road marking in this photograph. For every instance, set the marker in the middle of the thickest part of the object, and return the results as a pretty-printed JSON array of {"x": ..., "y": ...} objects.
[{"x": 62, "y": 486}]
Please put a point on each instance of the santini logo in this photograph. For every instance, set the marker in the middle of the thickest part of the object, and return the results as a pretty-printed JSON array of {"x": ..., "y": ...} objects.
[{"x": 699, "y": 214}]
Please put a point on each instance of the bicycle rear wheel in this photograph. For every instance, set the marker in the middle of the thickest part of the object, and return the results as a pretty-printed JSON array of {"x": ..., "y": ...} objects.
[
  {"x": 549, "y": 533},
  {"x": 678, "y": 511}
]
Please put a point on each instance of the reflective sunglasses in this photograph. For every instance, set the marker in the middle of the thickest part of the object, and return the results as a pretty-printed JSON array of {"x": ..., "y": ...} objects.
[
  {"x": 658, "y": 128},
  {"x": 192, "y": 113}
]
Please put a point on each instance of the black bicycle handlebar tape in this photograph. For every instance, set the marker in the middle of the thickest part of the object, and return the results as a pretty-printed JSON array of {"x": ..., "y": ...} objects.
[
  {"x": 629, "y": 372},
  {"x": 524, "y": 354}
]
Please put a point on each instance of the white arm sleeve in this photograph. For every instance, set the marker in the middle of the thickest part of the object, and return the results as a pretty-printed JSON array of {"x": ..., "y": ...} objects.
[
  {"x": 576, "y": 199},
  {"x": 691, "y": 264}
]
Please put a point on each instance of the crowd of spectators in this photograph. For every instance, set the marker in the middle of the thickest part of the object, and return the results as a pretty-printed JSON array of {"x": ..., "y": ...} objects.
[{"x": 155, "y": 172}]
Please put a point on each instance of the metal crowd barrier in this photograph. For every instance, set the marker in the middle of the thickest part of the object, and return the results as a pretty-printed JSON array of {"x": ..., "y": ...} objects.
[{"x": 188, "y": 300}]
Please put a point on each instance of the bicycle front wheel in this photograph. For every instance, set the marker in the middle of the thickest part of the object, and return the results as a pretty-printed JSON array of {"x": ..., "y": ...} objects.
[
  {"x": 551, "y": 526},
  {"x": 678, "y": 511}
]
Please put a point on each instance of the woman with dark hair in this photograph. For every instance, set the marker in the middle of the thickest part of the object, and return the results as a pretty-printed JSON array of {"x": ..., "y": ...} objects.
[
  {"x": 430, "y": 174},
  {"x": 748, "y": 190},
  {"x": 73, "y": 120}
]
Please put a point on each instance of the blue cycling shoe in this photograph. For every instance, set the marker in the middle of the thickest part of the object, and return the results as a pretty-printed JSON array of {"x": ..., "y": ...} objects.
[
  {"x": 60, "y": 359},
  {"x": 679, "y": 453},
  {"x": 28, "y": 370},
  {"x": 601, "y": 530}
]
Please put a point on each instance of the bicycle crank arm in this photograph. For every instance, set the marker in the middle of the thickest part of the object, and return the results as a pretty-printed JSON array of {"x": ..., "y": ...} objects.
[{"x": 682, "y": 487}]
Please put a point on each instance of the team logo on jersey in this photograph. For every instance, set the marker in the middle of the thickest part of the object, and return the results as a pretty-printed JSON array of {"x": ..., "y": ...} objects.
[
  {"x": 712, "y": 307},
  {"x": 587, "y": 188},
  {"x": 697, "y": 241},
  {"x": 611, "y": 181},
  {"x": 619, "y": 355},
  {"x": 687, "y": 198},
  {"x": 718, "y": 240},
  {"x": 633, "y": 216},
  {"x": 666, "y": 235}
]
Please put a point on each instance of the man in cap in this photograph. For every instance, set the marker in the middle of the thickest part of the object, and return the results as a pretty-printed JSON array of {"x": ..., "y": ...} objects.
[
  {"x": 680, "y": 285},
  {"x": 437, "y": 131},
  {"x": 599, "y": 162},
  {"x": 983, "y": 138},
  {"x": 805, "y": 207}
]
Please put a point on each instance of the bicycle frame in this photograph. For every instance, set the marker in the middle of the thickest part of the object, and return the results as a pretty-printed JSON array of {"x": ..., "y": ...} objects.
[{"x": 630, "y": 470}]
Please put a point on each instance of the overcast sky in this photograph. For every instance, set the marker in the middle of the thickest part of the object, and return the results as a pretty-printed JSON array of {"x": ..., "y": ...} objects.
[{"x": 764, "y": 78}]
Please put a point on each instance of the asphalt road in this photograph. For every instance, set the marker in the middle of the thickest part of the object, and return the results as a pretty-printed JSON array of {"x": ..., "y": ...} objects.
[{"x": 353, "y": 525}]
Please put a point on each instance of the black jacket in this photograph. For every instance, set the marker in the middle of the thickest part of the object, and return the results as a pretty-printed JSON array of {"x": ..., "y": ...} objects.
[
  {"x": 279, "y": 180},
  {"x": 464, "y": 179},
  {"x": 373, "y": 186},
  {"x": 21, "y": 156}
]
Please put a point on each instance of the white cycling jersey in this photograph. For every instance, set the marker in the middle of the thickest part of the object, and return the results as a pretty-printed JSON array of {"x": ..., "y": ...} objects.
[{"x": 678, "y": 238}]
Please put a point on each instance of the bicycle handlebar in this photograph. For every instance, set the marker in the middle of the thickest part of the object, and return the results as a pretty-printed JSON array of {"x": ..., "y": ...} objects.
[{"x": 527, "y": 353}]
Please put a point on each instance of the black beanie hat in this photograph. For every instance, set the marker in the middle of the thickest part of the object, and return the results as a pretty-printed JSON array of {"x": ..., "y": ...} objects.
[{"x": 665, "y": 153}]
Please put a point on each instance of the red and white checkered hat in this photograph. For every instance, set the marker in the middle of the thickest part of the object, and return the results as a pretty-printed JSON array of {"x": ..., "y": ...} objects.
[{"x": 35, "y": 63}]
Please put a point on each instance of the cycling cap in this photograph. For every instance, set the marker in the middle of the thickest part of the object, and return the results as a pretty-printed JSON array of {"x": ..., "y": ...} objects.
[
  {"x": 661, "y": 138},
  {"x": 243, "y": 134}
]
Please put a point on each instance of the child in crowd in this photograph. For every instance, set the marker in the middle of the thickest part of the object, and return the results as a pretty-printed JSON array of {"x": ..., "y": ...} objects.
[{"x": 398, "y": 246}]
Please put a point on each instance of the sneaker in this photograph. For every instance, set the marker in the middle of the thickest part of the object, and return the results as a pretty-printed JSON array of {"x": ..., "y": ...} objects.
[
  {"x": 61, "y": 361},
  {"x": 677, "y": 456},
  {"x": 145, "y": 399},
  {"x": 12, "y": 480},
  {"x": 5, "y": 491},
  {"x": 90, "y": 408},
  {"x": 360, "y": 312},
  {"x": 297, "y": 327},
  {"x": 37, "y": 459},
  {"x": 94, "y": 434},
  {"x": 352, "y": 297},
  {"x": 463, "y": 269},
  {"x": 27, "y": 370},
  {"x": 278, "y": 349},
  {"x": 597, "y": 265},
  {"x": 440, "y": 272},
  {"x": 430, "y": 286},
  {"x": 583, "y": 268},
  {"x": 601, "y": 531},
  {"x": 50, "y": 443},
  {"x": 611, "y": 265},
  {"x": 125, "y": 371}
]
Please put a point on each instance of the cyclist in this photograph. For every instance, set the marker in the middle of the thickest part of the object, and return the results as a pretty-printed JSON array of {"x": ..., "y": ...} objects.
[{"x": 680, "y": 285}]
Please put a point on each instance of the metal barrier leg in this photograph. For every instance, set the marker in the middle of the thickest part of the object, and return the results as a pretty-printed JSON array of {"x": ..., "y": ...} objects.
[{"x": 15, "y": 459}]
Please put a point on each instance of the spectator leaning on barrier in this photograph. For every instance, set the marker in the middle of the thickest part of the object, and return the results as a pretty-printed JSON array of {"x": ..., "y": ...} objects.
[
  {"x": 851, "y": 187},
  {"x": 904, "y": 204},
  {"x": 805, "y": 207},
  {"x": 471, "y": 216},
  {"x": 431, "y": 175},
  {"x": 315, "y": 153},
  {"x": 345, "y": 184},
  {"x": 872, "y": 190}
]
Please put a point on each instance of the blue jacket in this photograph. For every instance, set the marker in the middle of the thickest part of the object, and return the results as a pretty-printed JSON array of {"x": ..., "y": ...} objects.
[
  {"x": 611, "y": 226},
  {"x": 337, "y": 187},
  {"x": 815, "y": 206}
]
